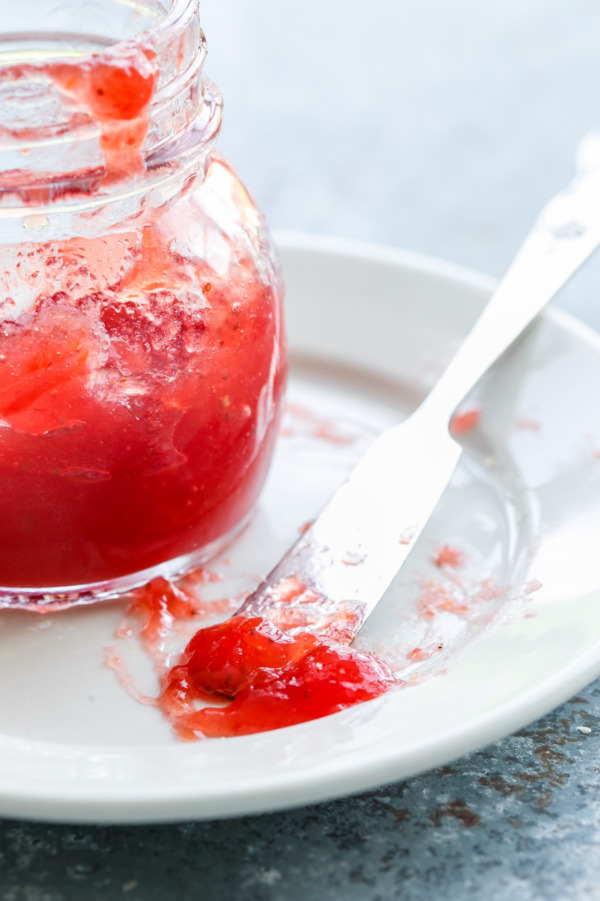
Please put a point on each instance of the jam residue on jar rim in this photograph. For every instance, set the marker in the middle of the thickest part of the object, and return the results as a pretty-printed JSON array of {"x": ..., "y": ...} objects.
[{"x": 153, "y": 108}]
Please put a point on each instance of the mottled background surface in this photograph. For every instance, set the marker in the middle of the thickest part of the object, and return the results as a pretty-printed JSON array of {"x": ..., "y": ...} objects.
[{"x": 441, "y": 127}]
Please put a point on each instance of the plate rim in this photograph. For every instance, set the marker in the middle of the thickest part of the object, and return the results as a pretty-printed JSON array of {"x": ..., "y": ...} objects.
[{"x": 50, "y": 803}]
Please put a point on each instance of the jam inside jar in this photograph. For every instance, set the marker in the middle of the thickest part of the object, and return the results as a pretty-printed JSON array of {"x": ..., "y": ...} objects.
[{"x": 142, "y": 358}]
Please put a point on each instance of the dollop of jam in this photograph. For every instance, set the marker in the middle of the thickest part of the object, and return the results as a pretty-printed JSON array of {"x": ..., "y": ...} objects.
[{"x": 271, "y": 679}]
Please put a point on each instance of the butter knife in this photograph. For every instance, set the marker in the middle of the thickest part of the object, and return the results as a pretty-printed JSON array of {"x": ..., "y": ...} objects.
[{"x": 335, "y": 574}]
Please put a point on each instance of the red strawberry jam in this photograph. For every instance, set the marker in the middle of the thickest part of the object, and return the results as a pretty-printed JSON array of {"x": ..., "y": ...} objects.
[
  {"x": 222, "y": 659},
  {"x": 138, "y": 422},
  {"x": 275, "y": 680},
  {"x": 142, "y": 360},
  {"x": 117, "y": 88}
]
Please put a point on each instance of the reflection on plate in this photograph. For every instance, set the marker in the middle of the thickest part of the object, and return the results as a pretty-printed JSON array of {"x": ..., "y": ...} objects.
[{"x": 483, "y": 647}]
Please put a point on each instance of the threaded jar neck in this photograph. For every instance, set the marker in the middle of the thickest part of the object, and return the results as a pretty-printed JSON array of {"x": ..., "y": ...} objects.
[{"x": 103, "y": 107}]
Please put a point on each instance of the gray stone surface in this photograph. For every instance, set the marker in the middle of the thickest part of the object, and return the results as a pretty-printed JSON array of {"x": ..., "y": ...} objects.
[
  {"x": 439, "y": 127},
  {"x": 517, "y": 822}
]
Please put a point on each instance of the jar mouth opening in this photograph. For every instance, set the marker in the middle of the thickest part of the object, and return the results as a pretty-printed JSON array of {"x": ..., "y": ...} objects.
[
  {"x": 164, "y": 29},
  {"x": 178, "y": 16},
  {"x": 159, "y": 17},
  {"x": 52, "y": 138}
]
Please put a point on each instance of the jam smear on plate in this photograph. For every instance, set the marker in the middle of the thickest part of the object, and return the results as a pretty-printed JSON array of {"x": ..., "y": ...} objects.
[
  {"x": 273, "y": 679},
  {"x": 261, "y": 677},
  {"x": 465, "y": 420}
]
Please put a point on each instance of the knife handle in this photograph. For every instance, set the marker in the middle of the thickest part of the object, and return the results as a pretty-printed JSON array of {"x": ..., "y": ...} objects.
[{"x": 563, "y": 237}]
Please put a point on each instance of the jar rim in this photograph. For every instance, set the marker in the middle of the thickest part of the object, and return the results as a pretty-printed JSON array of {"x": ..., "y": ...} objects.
[
  {"x": 181, "y": 12},
  {"x": 183, "y": 119},
  {"x": 176, "y": 21}
]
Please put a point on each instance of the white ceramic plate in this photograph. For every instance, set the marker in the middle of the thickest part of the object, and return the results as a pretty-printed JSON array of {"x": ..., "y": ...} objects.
[{"x": 370, "y": 329}]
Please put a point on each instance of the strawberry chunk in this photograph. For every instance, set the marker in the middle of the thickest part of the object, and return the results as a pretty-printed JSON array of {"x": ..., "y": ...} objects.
[
  {"x": 324, "y": 681},
  {"x": 222, "y": 659}
]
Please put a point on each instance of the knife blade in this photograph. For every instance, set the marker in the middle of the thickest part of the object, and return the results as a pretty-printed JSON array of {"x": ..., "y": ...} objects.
[{"x": 332, "y": 578}]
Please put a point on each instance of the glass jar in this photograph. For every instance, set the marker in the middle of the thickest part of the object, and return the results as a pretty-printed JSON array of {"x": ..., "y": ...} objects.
[{"x": 142, "y": 357}]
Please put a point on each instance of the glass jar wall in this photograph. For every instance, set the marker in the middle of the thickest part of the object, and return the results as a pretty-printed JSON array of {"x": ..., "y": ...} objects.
[{"x": 142, "y": 358}]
